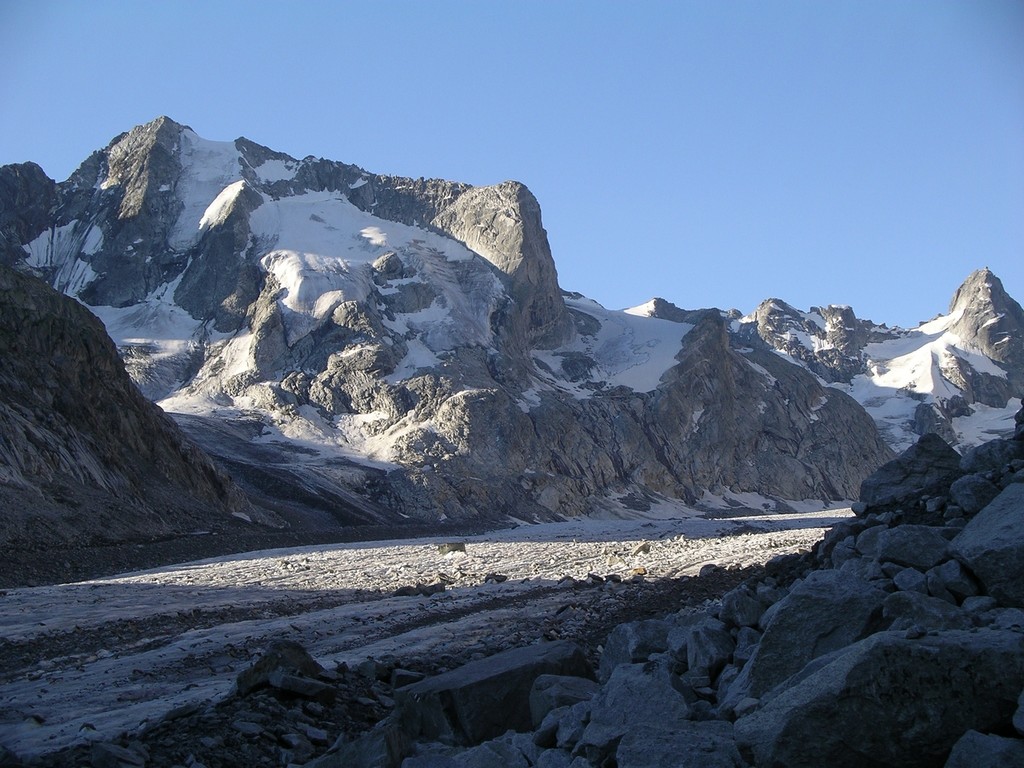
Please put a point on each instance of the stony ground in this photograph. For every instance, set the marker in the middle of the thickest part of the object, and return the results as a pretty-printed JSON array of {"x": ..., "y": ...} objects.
[{"x": 150, "y": 659}]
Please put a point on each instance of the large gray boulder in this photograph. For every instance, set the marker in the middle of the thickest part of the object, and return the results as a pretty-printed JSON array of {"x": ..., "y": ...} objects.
[
  {"x": 634, "y": 694},
  {"x": 282, "y": 658},
  {"x": 972, "y": 493},
  {"x": 383, "y": 746},
  {"x": 823, "y": 613},
  {"x": 916, "y": 546},
  {"x": 485, "y": 698},
  {"x": 980, "y": 749},
  {"x": 993, "y": 455},
  {"x": 928, "y": 466},
  {"x": 633, "y": 642},
  {"x": 992, "y": 546},
  {"x": 886, "y": 701},
  {"x": 552, "y": 691}
]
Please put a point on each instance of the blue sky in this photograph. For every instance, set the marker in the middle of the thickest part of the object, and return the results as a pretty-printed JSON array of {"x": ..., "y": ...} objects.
[{"x": 713, "y": 153}]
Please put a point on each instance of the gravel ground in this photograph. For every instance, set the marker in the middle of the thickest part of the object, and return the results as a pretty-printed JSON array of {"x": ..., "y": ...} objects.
[{"x": 150, "y": 658}]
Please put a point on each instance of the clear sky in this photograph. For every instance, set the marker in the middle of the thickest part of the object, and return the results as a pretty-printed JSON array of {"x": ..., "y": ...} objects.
[{"x": 860, "y": 152}]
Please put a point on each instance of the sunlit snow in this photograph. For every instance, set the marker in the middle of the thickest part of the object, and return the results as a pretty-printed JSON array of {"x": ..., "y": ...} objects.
[{"x": 630, "y": 350}]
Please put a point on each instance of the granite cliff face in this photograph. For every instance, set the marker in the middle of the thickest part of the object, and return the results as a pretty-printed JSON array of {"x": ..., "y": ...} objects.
[
  {"x": 84, "y": 458},
  {"x": 404, "y": 345}
]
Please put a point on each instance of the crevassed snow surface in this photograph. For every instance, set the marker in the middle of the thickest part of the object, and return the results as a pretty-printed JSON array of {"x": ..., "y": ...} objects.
[
  {"x": 631, "y": 350},
  {"x": 58, "y": 249}
]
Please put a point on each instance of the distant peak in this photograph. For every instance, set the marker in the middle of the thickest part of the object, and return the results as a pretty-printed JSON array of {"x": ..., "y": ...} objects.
[{"x": 982, "y": 290}]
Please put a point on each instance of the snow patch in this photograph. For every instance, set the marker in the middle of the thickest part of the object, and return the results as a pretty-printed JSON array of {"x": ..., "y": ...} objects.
[
  {"x": 628, "y": 350},
  {"x": 275, "y": 170},
  {"x": 207, "y": 168},
  {"x": 217, "y": 211}
]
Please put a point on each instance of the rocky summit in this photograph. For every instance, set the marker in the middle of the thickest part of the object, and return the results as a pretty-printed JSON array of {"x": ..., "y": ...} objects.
[
  {"x": 358, "y": 349},
  {"x": 365, "y": 349}
]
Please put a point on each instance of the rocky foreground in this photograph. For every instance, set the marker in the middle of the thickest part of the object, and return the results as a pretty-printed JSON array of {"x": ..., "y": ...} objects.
[
  {"x": 897, "y": 641},
  {"x": 902, "y": 644}
]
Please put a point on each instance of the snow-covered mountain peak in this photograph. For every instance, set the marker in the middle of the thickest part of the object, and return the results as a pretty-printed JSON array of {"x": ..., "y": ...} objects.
[
  {"x": 403, "y": 344},
  {"x": 957, "y": 374}
]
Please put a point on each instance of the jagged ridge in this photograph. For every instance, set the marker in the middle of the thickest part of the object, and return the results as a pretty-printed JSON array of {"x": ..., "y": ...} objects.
[{"x": 411, "y": 335}]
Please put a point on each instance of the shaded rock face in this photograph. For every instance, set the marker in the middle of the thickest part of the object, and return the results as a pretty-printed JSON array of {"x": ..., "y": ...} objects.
[
  {"x": 414, "y": 331},
  {"x": 929, "y": 465},
  {"x": 84, "y": 458},
  {"x": 902, "y": 715},
  {"x": 992, "y": 546},
  {"x": 27, "y": 195}
]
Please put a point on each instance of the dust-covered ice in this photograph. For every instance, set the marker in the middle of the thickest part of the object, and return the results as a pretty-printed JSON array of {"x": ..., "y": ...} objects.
[{"x": 194, "y": 626}]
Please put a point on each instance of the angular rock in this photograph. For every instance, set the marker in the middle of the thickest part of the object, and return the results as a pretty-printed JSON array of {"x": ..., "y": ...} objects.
[
  {"x": 741, "y": 608},
  {"x": 512, "y": 750},
  {"x": 911, "y": 580},
  {"x": 572, "y": 725},
  {"x": 885, "y": 701},
  {"x": 907, "y": 610},
  {"x": 951, "y": 581},
  {"x": 299, "y": 685},
  {"x": 686, "y": 744},
  {"x": 105, "y": 755},
  {"x": 972, "y": 493},
  {"x": 485, "y": 698},
  {"x": 992, "y": 546},
  {"x": 823, "y": 613},
  {"x": 552, "y": 691},
  {"x": 385, "y": 746},
  {"x": 746, "y": 641},
  {"x": 917, "y": 546},
  {"x": 926, "y": 468},
  {"x": 975, "y": 749},
  {"x": 1018, "y": 716},
  {"x": 708, "y": 647},
  {"x": 554, "y": 758},
  {"x": 993, "y": 455},
  {"x": 282, "y": 657},
  {"x": 632, "y": 642},
  {"x": 632, "y": 695}
]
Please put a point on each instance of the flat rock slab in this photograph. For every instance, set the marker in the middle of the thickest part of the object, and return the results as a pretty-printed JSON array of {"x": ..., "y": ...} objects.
[
  {"x": 684, "y": 744},
  {"x": 485, "y": 698},
  {"x": 885, "y": 701}
]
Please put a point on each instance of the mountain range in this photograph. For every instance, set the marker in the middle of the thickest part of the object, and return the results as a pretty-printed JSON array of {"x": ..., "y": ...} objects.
[{"x": 358, "y": 348}]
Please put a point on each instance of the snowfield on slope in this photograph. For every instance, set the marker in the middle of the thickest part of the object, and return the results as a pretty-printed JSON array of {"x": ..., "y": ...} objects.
[
  {"x": 148, "y": 642},
  {"x": 917, "y": 367}
]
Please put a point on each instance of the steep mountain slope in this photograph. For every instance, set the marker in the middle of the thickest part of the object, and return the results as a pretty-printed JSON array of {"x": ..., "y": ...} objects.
[
  {"x": 337, "y": 335},
  {"x": 84, "y": 458},
  {"x": 956, "y": 375}
]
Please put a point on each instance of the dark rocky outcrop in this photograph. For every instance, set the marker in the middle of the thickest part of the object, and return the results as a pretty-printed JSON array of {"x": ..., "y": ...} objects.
[
  {"x": 27, "y": 195},
  {"x": 84, "y": 458},
  {"x": 929, "y": 465}
]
